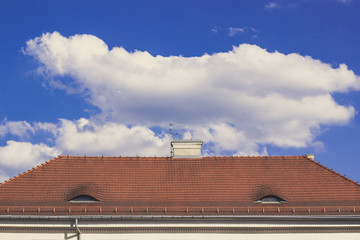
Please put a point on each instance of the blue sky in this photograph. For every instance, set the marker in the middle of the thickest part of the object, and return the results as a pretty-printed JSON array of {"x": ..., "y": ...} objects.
[{"x": 247, "y": 77}]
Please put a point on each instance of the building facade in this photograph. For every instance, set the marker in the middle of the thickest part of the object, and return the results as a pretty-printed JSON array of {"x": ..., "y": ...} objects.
[{"x": 180, "y": 197}]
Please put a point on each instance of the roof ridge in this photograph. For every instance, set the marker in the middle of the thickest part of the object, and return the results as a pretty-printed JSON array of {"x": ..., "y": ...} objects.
[
  {"x": 104, "y": 156},
  {"x": 165, "y": 157},
  {"x": 30, "y": 170},
  {"x": 331, "y": 170}
]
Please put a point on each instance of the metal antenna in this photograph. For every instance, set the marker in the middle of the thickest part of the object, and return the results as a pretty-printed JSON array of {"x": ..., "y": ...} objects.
[
  {"x": 171, "y": 139},
  {"x": 172, "y": 135},
  {"x": 171, "y": 131}
]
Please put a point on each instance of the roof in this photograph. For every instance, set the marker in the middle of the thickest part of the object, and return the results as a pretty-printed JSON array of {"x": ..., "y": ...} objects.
[{"x": 176, "y": 186}]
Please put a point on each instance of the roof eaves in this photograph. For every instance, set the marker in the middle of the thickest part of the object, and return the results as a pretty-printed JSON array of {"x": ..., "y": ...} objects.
[{"x": 30, "y": 170}]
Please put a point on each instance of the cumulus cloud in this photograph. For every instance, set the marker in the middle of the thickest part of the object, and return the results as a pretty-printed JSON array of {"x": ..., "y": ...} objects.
[
  {"x": 112, "y": 139},
  {"x": 81, "y": 137},
  {"x": 224, "y": 137},
  {"x": 3, "y": 176},
  {"x": 24, "y": 155},
  {"x": 236, "y": 100},
  {"x": 16, "y": 128},
  {"x": 24, "y": 129},
  {"x": 85, "y": 137}
]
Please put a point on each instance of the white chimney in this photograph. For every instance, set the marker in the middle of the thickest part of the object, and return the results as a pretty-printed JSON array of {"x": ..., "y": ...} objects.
[
  {"x": 310, "y": 156},
  {"x": 186, "y": 148}
]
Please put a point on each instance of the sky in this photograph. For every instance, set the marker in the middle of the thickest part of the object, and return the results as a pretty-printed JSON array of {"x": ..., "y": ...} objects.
[{"x": 248, "y": 78}]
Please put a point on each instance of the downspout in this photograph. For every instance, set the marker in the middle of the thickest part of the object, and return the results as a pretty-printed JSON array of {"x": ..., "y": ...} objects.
[{"x": 77, "y": 228}]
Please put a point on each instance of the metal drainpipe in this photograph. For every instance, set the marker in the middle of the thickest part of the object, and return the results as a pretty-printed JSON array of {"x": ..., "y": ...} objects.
[{"x": 77, "y": 228}]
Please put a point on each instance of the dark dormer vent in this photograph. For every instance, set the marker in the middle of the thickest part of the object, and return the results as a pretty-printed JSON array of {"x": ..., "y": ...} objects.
[
  {"x": 84, "y": 198},
  {"x": 270, "y": 199}
]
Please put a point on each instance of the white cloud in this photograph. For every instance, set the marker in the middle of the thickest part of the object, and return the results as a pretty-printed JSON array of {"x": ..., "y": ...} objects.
[
  {"x": 271, "y": 5},
  {"x": 86, "y": 137},
  {"x": 225, "y": 138},
  {"x": 3, "y": 176},
  {"x": 82, "y": 137},
  {"x": 215, "y": 29},
  {"x": 245, "y": 97},
  {"x": 112, "y": 139},
  {"x": 24, "y": 155},
  {"x": 44, "y": 126},
  {"x": 235, "y": 30},
  {"x": 345, "y": 1},
  {"x": 16, "y": 128}
]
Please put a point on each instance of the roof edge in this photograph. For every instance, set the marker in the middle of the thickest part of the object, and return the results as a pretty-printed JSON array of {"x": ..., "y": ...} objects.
[
  {"x": 30, "y": 170},
  {"x": 187, "y": 217},
  {"x": 331, "y": 170}
]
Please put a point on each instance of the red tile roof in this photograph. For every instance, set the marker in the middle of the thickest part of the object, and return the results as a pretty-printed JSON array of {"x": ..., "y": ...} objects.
[{"x": 163, "y": 185}]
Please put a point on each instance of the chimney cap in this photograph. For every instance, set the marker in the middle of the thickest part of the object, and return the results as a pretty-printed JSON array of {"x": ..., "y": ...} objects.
[
  {"x": 186, "y": 141},
  {"x": 186, "y": 148}
]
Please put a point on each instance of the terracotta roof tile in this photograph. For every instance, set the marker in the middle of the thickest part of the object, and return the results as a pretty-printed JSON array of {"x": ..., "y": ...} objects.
[{"x": 206, "y": 185}]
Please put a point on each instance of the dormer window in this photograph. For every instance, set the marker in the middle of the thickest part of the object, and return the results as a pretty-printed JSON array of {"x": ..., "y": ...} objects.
[
  {"x": 270, "y": 199},
  {"x": 84, "y": 199}
]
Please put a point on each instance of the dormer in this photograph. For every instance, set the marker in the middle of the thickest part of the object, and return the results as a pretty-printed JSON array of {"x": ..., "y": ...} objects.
[
  {"x": 84, "y": 199},
  {"x": 270, "y": 199}
]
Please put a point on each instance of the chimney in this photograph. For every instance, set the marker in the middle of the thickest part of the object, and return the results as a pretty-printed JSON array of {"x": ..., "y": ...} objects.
[
  {"x": 186, "y": 148},
  {"x": 310, "y": 156}
]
